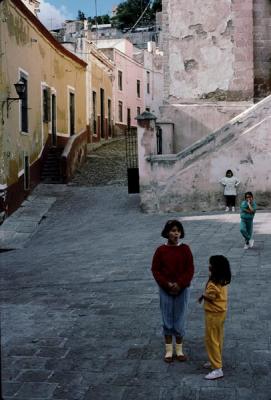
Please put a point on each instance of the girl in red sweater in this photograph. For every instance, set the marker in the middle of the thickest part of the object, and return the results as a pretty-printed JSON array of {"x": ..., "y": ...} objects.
[{"x": 173, "y": 270}]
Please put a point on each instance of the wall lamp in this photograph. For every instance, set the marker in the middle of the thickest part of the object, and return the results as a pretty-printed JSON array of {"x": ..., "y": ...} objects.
[{"x": 20, "y": 89}]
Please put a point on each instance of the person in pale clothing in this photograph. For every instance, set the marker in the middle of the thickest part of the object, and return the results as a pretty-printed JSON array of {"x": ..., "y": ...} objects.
[{"x": 230, "y": 183}]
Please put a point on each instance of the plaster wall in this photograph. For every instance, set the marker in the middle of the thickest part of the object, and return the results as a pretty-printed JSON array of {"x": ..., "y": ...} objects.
[
  {"x": 24, "y": 48},
  {"x": 208, "y": 48},
  {"x": 131, "y": 72},
  {"x": 190, "y": 180},
  {"x": 123, "y": 45},
  {"x": 262, "y": 50},
  {"x": 194, "y": 121},
  {"x": 101, "y": 78},
  {"x": 153, "y": 63}
]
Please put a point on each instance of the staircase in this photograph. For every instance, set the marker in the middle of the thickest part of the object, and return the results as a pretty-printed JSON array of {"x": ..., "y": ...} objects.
[
  {"x": 51, "y": 168},
  {"x": 189, "y": 180}
]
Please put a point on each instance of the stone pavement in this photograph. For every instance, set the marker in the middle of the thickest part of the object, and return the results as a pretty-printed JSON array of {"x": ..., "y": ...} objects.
[
  {"x": 106, "y": 165},
  {"x": 80, "y": 310},
  {"x": 17, "y": 229}
]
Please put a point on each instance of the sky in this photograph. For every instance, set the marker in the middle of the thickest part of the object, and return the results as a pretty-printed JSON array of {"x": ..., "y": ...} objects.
[{"x": 54, "y": 12}]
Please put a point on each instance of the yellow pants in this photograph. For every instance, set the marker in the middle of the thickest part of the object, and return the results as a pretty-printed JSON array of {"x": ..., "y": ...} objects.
[{"x": 214, "y": 334}]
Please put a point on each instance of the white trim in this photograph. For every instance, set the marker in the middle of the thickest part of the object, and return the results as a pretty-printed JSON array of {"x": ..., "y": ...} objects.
[
  {"x": 20, "y": 173},
  {"x": 3, "y": 187},
  {"x": 62, "y": 134},
  {"x": 70, "y": 89},
  {"x": 21, "y": 72}
]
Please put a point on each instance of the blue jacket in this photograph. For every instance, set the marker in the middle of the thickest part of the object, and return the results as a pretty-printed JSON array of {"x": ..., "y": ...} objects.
[{"x": 244, "y": 206}]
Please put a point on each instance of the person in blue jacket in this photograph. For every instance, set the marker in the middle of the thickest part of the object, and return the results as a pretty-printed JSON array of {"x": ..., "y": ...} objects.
[{"x": 247, "y": 211}]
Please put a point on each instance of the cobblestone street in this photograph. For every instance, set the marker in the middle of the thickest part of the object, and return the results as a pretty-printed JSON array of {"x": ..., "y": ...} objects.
[
  {"x": 104, "y": 166},
  {"x": 80, "y": 309}
]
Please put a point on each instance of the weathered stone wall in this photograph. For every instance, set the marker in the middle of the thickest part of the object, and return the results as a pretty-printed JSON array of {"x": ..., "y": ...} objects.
[
  {"x": 190, "y": 180},
  {"x": 194, "y": 121},
  {"x": 262, "y": 48},
  {"x": 208, "y": 47}
]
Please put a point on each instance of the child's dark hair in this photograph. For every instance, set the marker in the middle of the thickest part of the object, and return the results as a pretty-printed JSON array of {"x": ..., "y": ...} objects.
[
  {"x": 169, "y": 225},
  {"x": 248, "y": 194},
  {"x": 229, "y": 171},
  {"x": 220, "y": 270}
]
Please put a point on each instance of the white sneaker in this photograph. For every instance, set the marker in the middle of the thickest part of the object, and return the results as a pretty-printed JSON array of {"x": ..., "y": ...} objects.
[
  {"x": 233, "y": 209},
  {"x": 215, "y": 374},
  {"x": 227, "y": 209},
  {"x": 246, "y": 246},
  {"x": 251, "y": 243}
]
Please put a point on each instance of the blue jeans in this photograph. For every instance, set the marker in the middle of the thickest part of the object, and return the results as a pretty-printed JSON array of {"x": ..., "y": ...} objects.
[
  {"x": 246, "y": 228},
  {"x": 174, "y": 311}
]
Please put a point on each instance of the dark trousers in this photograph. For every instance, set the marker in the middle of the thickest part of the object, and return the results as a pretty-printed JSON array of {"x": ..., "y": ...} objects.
[{"x": 230, "y": 201}]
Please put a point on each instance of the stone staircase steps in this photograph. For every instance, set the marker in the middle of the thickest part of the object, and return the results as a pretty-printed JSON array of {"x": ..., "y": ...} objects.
[{"x": 51, "y": 169}]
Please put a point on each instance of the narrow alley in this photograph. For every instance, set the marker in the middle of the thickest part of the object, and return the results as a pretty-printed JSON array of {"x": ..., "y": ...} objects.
[{"x": 104, "y": 166}]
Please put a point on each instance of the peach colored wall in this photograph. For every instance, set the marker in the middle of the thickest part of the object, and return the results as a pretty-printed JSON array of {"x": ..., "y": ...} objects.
[{"x": 131, "y": 72}]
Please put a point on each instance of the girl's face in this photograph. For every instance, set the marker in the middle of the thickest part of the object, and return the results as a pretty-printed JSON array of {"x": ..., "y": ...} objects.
[
  {"x": 229, "y": 174},
  {"x": 174, "y": 235},
  {"x": 249, "y": 198}
]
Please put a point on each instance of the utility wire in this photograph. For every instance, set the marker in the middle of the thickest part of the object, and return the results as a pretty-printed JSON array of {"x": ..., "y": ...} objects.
[{"x": 141, "y": 16}]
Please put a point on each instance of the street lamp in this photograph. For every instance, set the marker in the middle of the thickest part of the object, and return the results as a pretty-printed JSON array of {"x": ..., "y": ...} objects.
[{"x": 20, "y": 88}]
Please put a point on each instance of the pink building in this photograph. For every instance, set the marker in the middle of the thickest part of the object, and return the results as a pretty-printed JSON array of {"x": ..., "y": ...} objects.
[{"x": 128, "y": 89}]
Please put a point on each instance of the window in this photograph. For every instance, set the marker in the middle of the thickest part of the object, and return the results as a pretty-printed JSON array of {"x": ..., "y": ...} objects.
[
  {"x": 46, "y": 104},
  {"x": 148, "y": 109},
  {"x": 109, "y": 117},
  {"x": 120, "y": 80},
  {"x": 94, "y": 112},
  {"x": 24, "y": 105},
  {"x": 129, "y": 118},
  {"x": 138, "y": 110},
  {"x": 148, "y": 82},
  {"x": 138, "y": 88},
  {"x": 102, "y": 111},
  {"x": 26, "y": 173},
  {"x": 72, "y": 113},
  {"x": 54, "y": 133},
  {"x": 120, "y": 112}
]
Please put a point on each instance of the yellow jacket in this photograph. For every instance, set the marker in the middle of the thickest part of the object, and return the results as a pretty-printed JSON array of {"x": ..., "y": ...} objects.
[{"x": 215, "y": 297}]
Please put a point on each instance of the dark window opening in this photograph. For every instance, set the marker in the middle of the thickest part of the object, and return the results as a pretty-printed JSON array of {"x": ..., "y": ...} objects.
[
  {"x": 128, "y": 118},
  {"x": 46, "y": 105},
  {"x": 102, "y": 111},
  {"x": 109, "y": 118},
  {"x": 94, "y": 112},
  {"x": 120, "y": 112},
  {"x": 120, "y": 80},
  {"x": 138, "y": 88},
  {"x": 24, "y": 106},
  {"x": 72, "y": 114},
  {"x": 148, "y": 83},
  {"x": 26, "y": 173}
]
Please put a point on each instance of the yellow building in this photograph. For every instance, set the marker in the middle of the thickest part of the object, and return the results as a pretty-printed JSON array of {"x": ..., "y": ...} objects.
[
  {"x": 102, "y": 119},
  {"x": 52, "y": 111}
]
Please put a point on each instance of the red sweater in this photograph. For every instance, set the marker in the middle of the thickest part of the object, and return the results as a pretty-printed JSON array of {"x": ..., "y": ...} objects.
[{"x": 173, "y": 264}]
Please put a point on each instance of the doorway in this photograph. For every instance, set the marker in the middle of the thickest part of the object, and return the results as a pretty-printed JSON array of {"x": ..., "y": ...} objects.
[{"x": 54, "y": 135}]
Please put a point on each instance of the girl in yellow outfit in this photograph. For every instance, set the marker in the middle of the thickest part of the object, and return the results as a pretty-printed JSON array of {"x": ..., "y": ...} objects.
[{"x": 215, "y": 299}]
